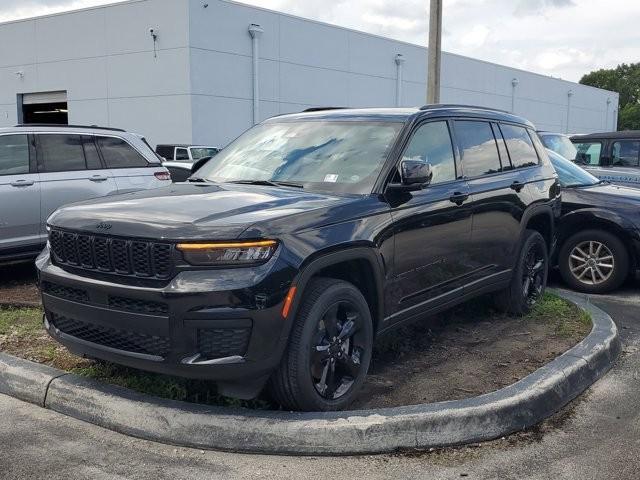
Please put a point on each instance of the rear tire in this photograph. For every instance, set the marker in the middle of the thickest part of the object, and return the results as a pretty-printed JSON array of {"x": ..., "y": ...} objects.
[
  {"x": 594, "y": 261},
  {"x": 329, "y": 349},
  {"x": 529, "y": 279}
]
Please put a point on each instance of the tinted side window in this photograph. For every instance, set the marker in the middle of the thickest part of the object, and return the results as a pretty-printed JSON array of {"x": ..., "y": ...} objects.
[
  {"x": 91, "y": 153},
  {"x": 479, "y": 150},
  {"x": 521, "y": 150},
  {"x": 182, "y": 154},
  {"x": 432, "y": 143},
  {"x": 625, "y": 153},
  {"x": 119, "y": 154},
  {"x": 14, "y": 154},
  {"x": 60, "y": 153},
  {"x": 588, "y": 153}
]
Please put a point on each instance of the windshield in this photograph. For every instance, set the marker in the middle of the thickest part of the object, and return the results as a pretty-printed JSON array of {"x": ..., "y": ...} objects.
[
  {"x": 201, "y": 152},
  {"x": 560, "y": 144},
  {"x": 336, "y": 156},
  {"x": 570, "y": 174}
]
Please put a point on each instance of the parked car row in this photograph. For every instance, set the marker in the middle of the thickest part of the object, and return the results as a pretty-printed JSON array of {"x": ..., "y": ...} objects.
[
  {"x": 598, "y": 232},
  {"x": 613, "y": 156},
  {"x": 43, "y": 167},
  {"x": 277, "y": 267}
]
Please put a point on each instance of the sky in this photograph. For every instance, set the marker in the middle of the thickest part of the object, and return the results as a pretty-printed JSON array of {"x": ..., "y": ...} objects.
[{"x": 562, "y": 38}]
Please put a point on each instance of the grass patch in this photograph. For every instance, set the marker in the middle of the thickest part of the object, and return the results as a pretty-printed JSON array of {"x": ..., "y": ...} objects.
[
  {"x": 566, "y": 318},
  {"x": 22, "y": 334},
  {"x": 20, "y": 320},
  {"x": 165, "y": 386}
]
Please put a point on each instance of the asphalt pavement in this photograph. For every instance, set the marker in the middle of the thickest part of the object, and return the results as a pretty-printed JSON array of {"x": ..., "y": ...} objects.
[{"x": 595, "y": 437}]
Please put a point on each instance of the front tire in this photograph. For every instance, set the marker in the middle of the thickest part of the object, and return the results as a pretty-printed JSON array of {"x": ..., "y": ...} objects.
[
  {"x": 329, "y": 349},
  {"x": 594, "y": 261},
  {"x": 529, "y": 279}
]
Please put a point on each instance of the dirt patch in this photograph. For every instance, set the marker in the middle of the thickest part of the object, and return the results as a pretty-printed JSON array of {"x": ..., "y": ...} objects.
[
  {"x": 18, "y": 284},
  {"x": 468, "y": 351},
  {"x": 463, "y": 353}
]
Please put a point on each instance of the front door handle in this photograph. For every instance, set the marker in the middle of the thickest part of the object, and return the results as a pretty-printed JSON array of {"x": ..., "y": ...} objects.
[
  {"x": 517, "y": 186},
  {"x": 98, "y": 178},
  {"x": 459, "y": 198},
  {"x": 22, "y": 183}
]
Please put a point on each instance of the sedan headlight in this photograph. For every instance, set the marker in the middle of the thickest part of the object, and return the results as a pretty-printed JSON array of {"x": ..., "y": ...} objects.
[{"x": 228, "y": 253}]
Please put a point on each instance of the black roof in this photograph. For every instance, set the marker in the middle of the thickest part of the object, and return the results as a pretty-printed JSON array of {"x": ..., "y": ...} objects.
[
  {"x": 607, "y": 135},
  {"x": 403, "y": 114}
]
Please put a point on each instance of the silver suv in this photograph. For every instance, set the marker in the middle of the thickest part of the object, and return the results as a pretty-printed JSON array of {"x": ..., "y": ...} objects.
[{"x": 43, "y": 167}]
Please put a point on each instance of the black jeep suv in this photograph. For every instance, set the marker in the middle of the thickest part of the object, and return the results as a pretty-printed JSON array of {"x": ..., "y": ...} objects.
[{"x": 311, "y": 234}]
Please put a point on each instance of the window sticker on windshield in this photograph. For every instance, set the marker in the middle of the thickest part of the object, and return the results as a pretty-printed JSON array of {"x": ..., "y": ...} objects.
[{"x": 331, "y": 177}]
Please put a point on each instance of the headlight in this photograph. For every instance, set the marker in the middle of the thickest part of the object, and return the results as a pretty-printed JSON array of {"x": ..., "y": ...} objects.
[{"x": 228, "y": 253}]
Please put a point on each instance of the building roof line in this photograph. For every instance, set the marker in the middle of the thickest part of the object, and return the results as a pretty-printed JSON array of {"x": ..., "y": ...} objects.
[{"x": 318, "y": 22}]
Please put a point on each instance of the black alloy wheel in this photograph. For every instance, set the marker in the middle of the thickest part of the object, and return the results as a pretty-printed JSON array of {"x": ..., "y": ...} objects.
[
  {"x": 534, "y": 273},
  {"x": 336, "y": 357},
  {"x": 329, "y": 349},
  {"x": 529, "y": 278}
]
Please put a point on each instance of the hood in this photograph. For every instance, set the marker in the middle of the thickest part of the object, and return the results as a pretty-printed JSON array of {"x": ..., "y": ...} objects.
[
  {"x": 191, "y": 211},
  {"x": 603, "y": 196},
  {"x": 614, "y": 192},
  {"x": 626, "y": 175}
]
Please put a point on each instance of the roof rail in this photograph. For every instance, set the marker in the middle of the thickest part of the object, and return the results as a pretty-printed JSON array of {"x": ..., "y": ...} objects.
[
  {"x": 60, "y": 125},
  {"x": 320, "y": 109},
  {"x": 454, "y": 105}
]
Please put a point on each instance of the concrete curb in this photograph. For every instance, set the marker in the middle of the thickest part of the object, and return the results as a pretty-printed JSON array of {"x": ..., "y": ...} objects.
[{"x": 481, "y": 418}]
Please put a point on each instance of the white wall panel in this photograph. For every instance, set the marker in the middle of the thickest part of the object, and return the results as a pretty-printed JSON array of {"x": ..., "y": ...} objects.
[
  {"x": 74, "y": 35},
  {"x": 142, "y": 74},
  {"x": 89, "y": 112},
  {"x": 164, "y": 119},
  {"x": 127, "y": 25},
  {"x": 82, "y": 79},
  {"x": 21, "y": 38}
]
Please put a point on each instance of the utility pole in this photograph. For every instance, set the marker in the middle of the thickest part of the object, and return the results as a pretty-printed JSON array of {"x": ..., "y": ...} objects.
[{"x": 435, "y": 51}]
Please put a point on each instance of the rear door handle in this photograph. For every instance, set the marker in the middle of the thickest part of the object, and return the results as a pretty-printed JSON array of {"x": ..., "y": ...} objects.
[
  {"x": 22, "y": 183},
  {"x": 459, "y": 198},
  {"x": 517, "y": 186},
  {"x": 98, "y": 178}
]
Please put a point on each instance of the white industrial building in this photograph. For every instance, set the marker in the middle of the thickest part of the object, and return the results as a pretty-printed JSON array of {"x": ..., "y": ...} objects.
[{"x": 203, "y": 71}]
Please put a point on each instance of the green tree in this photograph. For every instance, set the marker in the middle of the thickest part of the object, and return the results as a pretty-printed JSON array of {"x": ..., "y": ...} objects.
[{"x": 624, "y": 79}]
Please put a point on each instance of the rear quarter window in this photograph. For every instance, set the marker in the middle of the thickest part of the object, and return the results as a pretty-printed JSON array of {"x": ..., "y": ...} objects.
[
  {"x": 520, "y": 146},
  {"x": 119, "y": 154},
  {"x": 479, "y": 149}
]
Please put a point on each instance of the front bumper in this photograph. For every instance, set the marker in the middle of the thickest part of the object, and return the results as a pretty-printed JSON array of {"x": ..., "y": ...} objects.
[{"x": 222, "y": 325}]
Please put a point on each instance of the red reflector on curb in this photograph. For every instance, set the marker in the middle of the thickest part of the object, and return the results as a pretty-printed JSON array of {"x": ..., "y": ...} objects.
[{"x": 288, "y": 301}]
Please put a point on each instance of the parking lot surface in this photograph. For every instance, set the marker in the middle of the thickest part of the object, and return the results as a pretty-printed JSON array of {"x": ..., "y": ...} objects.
[{"x": 598, "y": 436}]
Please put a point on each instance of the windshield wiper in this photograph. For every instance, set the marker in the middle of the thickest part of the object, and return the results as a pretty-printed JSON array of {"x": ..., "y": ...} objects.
[
  {"x": 197, "y": 180},
  {"x": 269, "y": 183}
]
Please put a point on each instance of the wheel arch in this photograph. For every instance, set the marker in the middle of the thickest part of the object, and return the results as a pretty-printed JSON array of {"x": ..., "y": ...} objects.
[
  {"x": 541, "y": 219},
  {"x": 592, "y": 219},
  {"x": 361, "y": 266}
]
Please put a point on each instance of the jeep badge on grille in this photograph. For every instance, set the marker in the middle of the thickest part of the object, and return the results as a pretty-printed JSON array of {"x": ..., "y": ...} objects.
[{"x": 104, "y": 226}]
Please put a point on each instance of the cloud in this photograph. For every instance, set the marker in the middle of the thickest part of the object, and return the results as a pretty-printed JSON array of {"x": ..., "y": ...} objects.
[
  {"x": 476, "y": 37},
  {"x": 563, "y": 38},
  {"x": 528, "y": 7}
]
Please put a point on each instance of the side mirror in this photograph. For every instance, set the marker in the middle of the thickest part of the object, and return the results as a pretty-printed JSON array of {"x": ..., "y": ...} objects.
[
  {"x": 198, "y": 164},
  {"x": 415, "y": 176}
]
